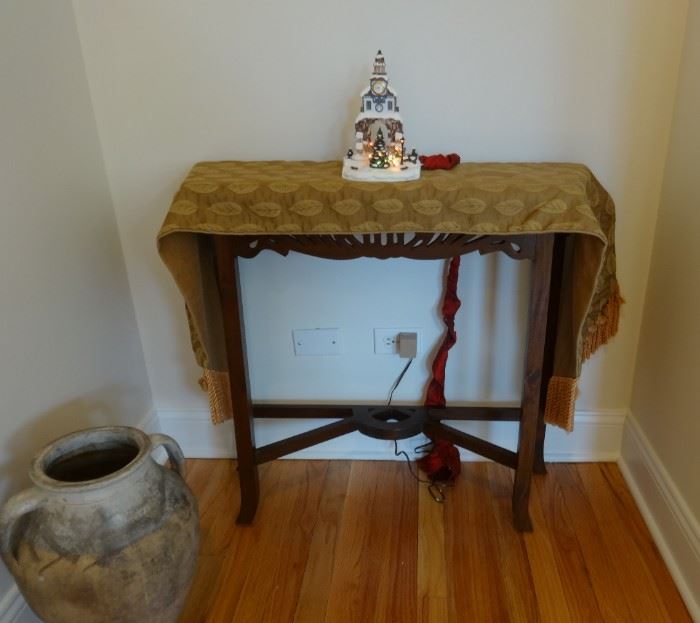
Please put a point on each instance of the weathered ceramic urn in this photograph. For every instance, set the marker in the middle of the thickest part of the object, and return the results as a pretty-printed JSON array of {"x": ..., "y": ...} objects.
[{"x": 106, "y": 534}]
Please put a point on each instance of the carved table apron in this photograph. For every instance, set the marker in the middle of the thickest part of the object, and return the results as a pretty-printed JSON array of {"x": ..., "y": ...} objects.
[{"x": 543, "y": 250}]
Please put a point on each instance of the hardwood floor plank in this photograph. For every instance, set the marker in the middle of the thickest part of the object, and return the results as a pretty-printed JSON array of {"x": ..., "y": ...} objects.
[
  {"x": 637, "y": 528},
  {"x": 551, "y": 600},
  {"x": 570, "y": 564},
  {"x": 519, "y": 588},
  {"x": 219, "y": 499},
  {"x": 374, "y": 575},
  {"x": 271, "y": 590},
  {"x": 477, "y": 585},
  {"x": 638, "y": 583},
  {"x": 225, "y": 590},
  {"x": 315, "y": 588},
  {"x": 397, "y": 521},
  {"x": 349, "y": 590},
  {"x": 432, "y": 563},
  {"x": 360, "y": 541},
  {"x": 605, "y": 582},
  {"x": 216, "y": 486}
]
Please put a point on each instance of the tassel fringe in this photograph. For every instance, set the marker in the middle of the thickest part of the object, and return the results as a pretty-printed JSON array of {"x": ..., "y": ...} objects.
[
  {"x": 219, "y": 392},
  {"x": 605, "y": 326},
  {"x": 561, "y": 398},
  {"x": 562, "y": 391}
]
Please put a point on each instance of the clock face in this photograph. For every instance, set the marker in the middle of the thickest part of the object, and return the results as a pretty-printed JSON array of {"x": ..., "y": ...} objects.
[{"x": 379, "y": 87}]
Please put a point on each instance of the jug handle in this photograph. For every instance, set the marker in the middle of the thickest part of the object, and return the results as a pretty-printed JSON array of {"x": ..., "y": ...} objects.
[
  {"x": 177, "y": 459},
  {"x": 18, "y": 505}
]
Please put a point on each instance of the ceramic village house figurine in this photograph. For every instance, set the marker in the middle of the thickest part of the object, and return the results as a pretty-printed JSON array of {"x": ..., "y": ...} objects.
[{"x": 379, "y": 153}]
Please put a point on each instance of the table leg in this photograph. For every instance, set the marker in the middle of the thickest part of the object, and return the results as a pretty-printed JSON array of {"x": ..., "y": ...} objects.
[
  {"x": 234, "y": 337},
  {"x": 550, "y": 344},
  {"x": 534, "y": 358}
]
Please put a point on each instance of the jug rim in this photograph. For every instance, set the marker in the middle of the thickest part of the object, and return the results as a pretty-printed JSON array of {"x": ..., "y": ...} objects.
[{"x": 85, "y": 439}]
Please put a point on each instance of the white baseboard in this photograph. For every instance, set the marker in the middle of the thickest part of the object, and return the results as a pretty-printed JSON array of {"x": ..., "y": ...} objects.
[
  {"x": 597, "y": 437},
  {"x": 672, "y": 524}
]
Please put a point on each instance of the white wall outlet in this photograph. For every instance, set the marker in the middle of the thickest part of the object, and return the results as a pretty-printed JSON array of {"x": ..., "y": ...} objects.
[
  {"x": 386, "y": 341},
  {"x": 316, "y": 341}
]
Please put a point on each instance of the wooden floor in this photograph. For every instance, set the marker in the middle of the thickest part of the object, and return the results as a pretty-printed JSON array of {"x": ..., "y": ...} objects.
[{"x": 340, "y": 541}]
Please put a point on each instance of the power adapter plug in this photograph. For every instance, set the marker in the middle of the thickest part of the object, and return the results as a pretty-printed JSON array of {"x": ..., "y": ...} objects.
[{"x": 408, "y": 345}]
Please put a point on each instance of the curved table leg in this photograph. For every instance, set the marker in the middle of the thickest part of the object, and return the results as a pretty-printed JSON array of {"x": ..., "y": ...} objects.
[
  {"x": 540, "y": 466},
  {"x": 534, "y": 359},
  {"x": 234, "y": 337},
  {"x": 550, "y": 344}
]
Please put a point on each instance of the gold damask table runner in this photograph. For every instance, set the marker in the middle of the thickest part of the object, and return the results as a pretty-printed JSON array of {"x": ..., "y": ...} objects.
[{"x": 288, "y": 198}]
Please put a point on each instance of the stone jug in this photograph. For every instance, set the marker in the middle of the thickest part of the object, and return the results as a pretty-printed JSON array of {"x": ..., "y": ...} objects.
[{"x": 106, "y": 534}]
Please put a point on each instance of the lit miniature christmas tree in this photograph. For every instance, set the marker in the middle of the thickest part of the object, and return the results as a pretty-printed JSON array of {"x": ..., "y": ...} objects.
[{"x": 379, "y": 158}]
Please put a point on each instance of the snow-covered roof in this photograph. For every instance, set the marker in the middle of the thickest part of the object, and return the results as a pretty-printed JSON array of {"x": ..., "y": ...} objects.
[{"x": 373, "y": 114}]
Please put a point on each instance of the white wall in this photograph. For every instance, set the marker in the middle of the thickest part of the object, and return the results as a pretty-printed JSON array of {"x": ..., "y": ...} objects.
[
  {"x": 660, "y": 449},
  {"x": 69, "y": 345},
  {"x": 666, "y": 398},
  {"x": 175, "y": 81}
]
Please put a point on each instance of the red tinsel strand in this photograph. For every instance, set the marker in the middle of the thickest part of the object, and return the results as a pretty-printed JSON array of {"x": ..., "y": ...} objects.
[
  {"x": 442, "y": 463},
  {"x": 435, "y": 395},
  {"x": 439, "y": 161}
]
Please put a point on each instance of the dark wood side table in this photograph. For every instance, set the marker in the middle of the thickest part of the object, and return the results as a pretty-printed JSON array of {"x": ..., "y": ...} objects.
[{"x": 544, "y": 250}]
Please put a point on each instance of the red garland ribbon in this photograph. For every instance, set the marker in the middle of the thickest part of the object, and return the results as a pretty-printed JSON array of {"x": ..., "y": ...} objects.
[
  {"x": 435, "y": 396},
  {"x": 442, "y": 463},
  {"x": 439, "y": 161}
]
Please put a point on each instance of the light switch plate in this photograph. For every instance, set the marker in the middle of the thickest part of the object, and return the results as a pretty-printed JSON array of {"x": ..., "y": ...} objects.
[{"x": 316, "y": 342}]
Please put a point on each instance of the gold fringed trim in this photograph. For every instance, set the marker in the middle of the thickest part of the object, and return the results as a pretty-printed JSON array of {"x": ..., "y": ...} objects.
[
  {"x": 217, "y": 387},
  {"x": 561, "y": 398},
  {"x": 605, "y": 326}
]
